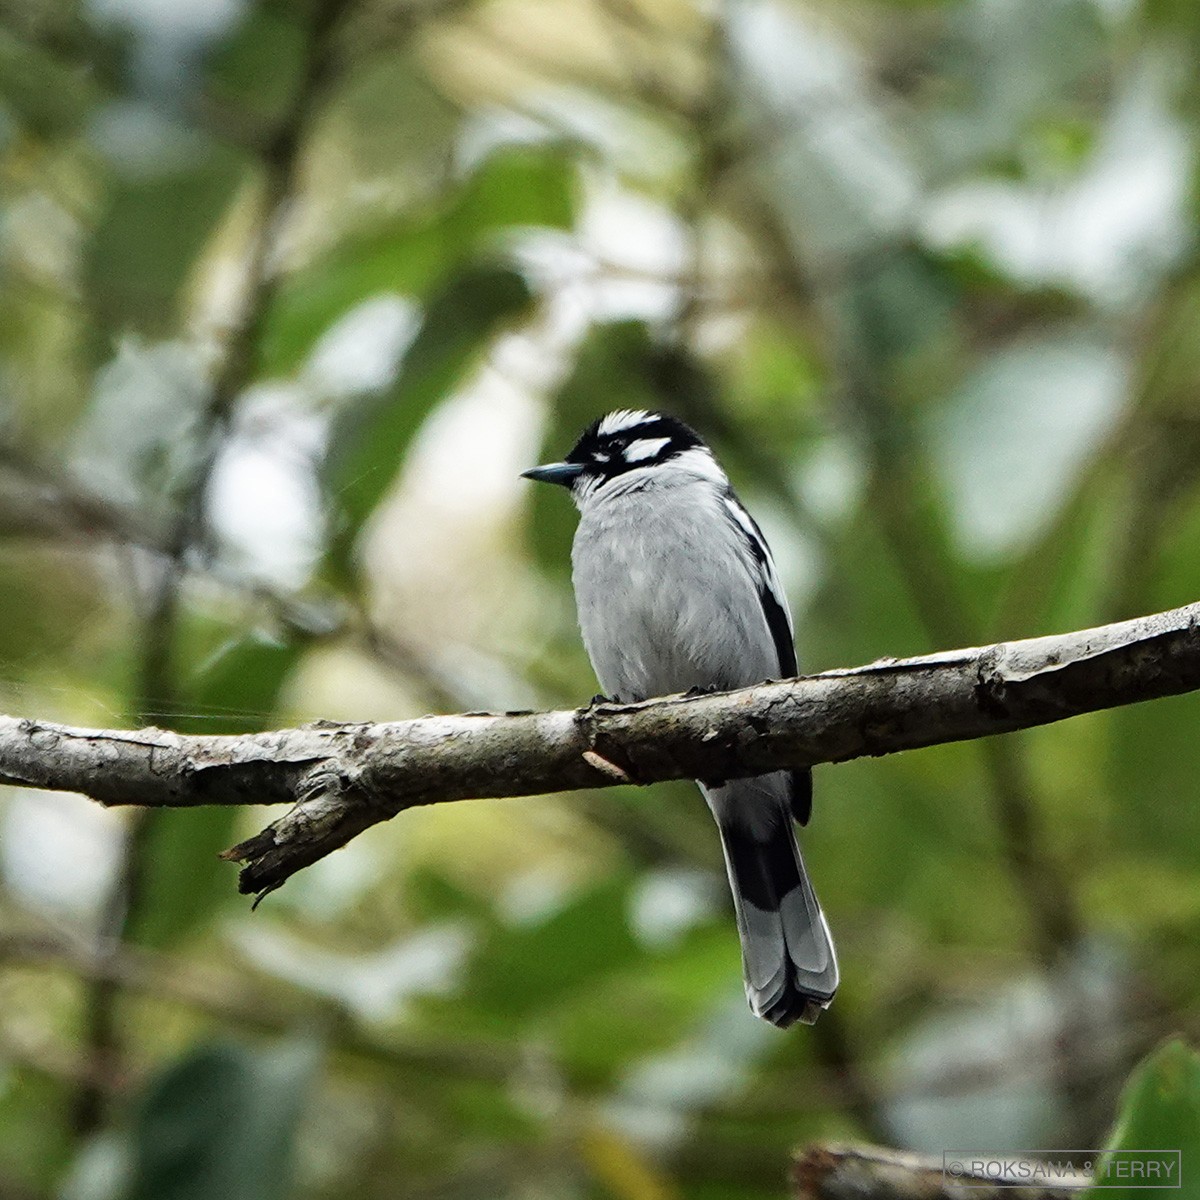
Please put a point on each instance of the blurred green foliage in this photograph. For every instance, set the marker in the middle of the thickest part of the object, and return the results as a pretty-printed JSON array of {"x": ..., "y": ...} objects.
[
  {"x": 926, "y": 277},
  {"x": 1160, "y": 1110},
  {"x": 220, "y": 1122}
]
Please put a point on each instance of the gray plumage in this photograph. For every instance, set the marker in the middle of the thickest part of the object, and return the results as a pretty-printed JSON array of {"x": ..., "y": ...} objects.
[{"x": 675, "y": 590}]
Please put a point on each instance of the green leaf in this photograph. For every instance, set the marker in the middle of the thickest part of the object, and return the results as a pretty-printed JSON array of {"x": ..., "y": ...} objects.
[
  {"x": 515, "y": 188},
  {"x": 48, "y": 97},
  {"x": 898, "y": 309},
  {"x": 533, "y": 968},
  {"x": 370, "y": 441},
  {"x": 238, "y": 688},
  {"x": 42, "y": 596},
  {"x": 1003, "y": 74},
  {"x": 1160, "y": 1110},
  {"x": 221, "y": 1124},
  {"x": 35, "y": 1144},
  {"x": 1155, "y": 755},
  {"x": 1042, "y": 407},
  {"x": 257, "y": 70},
  {"x": 183, "y": 880},
  {"x": 153, "y": 229}
]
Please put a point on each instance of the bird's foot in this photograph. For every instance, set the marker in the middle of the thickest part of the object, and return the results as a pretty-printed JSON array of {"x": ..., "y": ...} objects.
[{"x": 585, "y": 713}]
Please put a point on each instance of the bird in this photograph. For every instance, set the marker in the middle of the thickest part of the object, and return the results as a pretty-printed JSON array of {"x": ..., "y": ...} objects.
[{"x": 676, "y": 591}]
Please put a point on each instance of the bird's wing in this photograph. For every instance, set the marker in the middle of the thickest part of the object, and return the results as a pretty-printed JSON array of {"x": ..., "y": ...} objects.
[{"x": 779, "y": 621}]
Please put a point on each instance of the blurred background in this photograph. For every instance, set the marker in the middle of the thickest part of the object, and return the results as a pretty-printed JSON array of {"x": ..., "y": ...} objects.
[{"x": 289, "y": 294}]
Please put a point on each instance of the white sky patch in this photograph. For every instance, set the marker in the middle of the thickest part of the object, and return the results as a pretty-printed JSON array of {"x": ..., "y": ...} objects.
[
  {"x": 486, "y": 130},
  {"x": 1111, "y": 231},
  {"x": 168, "y": 37},
  {"x": 832, "y": 478},
  {"x": 1011, "y": 444},
  {"x": 626, "y": 259},
  {"x": 142, "y": 141},
  {"x": 535, "y": 896},
  {"x": 666, "y": 904},
  {"x": 642, "y": 250},
  {"x": 1005, "y": 1038},
  {"x": 169, "y": 18},
  {"x": 144, "y": 408},
  {"x": 617, "y": 131},
  {"x": 644, "y": 448},
  {"x": 839, "y": 171},
  {"x": 468, "y": 456},
  {"x": 375, "y": 985},
  {"x": 361, "y": 352},
  {"x": 59, "y": 851},
  {"x": 264, "y": 501}
]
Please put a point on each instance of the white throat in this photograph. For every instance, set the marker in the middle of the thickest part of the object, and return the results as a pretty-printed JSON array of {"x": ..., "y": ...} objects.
[{"x": 691, "y": 466}]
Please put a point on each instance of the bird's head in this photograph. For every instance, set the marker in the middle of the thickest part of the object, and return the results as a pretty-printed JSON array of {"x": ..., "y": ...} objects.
[{"x": 625, "y": 450}]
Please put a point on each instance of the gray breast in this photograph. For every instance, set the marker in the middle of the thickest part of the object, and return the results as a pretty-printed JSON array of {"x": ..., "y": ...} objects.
[{"x": 665, "y": 593}]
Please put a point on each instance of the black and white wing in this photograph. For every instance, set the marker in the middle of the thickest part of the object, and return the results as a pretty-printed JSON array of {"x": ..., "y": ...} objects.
[
  {"x": 779, "y": 621},
  {"x": 788, "y": 959}
]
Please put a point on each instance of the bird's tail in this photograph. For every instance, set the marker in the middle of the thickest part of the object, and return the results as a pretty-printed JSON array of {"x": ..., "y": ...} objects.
[{"x": 787, "y": 954}]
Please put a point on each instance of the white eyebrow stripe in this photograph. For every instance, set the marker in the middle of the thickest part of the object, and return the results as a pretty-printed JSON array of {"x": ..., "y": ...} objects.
[
  {"x": 624, "y": 418},
  {"x": 644, "y": 448}
]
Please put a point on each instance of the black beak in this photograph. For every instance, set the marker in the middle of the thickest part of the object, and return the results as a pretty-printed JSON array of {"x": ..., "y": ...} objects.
[{"x": 564, "y": 473}]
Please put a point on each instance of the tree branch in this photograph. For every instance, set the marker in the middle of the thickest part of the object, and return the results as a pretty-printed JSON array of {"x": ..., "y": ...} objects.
[
  {"x": 830, "y": 1172},
  {"x": 341, "y": 779}
]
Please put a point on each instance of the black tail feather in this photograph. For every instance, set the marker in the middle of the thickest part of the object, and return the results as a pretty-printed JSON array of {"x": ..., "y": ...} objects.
[{"x": 787, "y": 953}]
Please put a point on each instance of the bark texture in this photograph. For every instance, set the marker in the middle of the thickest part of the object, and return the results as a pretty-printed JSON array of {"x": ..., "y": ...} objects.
[
  {"x": 871, "y": 1173},
  {"x": 341, "y": 779}
]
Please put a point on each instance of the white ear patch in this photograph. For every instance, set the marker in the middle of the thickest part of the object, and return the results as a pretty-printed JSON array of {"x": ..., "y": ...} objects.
[
  {"x": 644, "y": 448},
  {"x": 622, "y": 419},
  {"x": 699, "y": 461}
]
